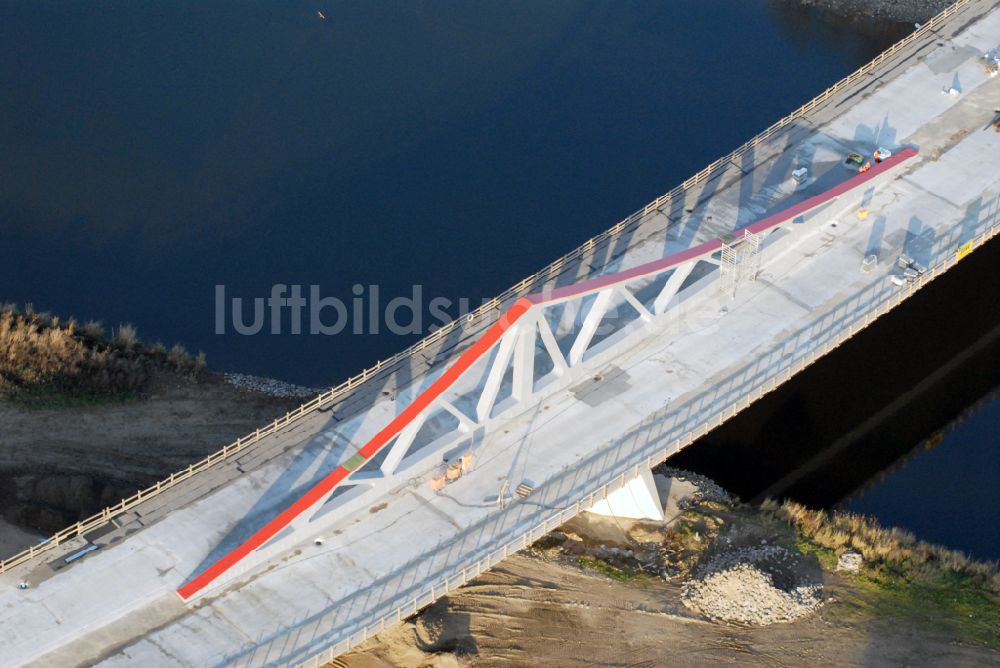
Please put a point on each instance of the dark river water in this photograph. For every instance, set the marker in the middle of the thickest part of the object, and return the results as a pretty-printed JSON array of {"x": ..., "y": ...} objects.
[
  {"x": 900, "y": 422},
  {"x": 152, "y": 151},
  {"x": 947, "y": 490}
]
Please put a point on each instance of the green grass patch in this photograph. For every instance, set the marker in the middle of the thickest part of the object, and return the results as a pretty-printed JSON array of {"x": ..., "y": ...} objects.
[
  {"x": 952, "y": 604},
  {"x": 606, "y": 569},
  {"x": 902, "y": 577},
  {"x": 827, "y": 558}
]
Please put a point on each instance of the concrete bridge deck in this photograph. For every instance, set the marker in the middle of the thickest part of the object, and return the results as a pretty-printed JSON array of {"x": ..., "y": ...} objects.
[{"x": 633, "y": 401}]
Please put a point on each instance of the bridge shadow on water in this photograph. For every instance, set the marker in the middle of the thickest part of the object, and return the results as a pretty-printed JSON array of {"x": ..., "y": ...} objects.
[
  {"x": 816, "y": 439},
  {"x": 823, "y": 435},
  {"x": 845, "y": 404}
]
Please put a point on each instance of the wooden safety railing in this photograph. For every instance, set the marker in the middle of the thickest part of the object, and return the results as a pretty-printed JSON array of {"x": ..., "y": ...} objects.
[
  {"x": 883, "y": 300},
  {"x": 482, "y": 315}
]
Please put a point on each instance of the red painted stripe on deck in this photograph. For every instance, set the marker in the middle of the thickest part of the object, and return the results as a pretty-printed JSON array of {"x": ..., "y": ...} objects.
[
  {"x": 486, "y": 341},
  {"x": 709, "y": 247},
  {"x": 601, "y": 282},
  {"x": 824, "y": 197},
  {"x": 408, "y": 414}
]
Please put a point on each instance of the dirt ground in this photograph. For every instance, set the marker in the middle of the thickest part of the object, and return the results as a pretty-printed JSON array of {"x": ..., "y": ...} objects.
[
  {"x": 60, "y": 465},
  {"x": 13, "y": 538},
  {"x": 549, "y": 605},
  {"x": 534, "y": 611},
  {"x": 538, "y": 608}
]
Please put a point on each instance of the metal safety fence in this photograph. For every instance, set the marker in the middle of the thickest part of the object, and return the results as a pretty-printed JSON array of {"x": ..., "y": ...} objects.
[
  {"x": 655, "y": 439},
  {"x": 481, "y": 317}
]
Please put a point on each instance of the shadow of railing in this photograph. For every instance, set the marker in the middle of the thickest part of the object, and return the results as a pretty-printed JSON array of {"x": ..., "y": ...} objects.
[{"x": 452, "y": 563}]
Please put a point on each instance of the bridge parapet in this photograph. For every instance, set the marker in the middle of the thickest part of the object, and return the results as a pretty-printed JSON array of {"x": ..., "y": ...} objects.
[
  {"x": 488, "y": 313},
  {"x": 516, "y": 336},
  {"x": 623, "y": 402},
  {"x": 648, "y": 444}
]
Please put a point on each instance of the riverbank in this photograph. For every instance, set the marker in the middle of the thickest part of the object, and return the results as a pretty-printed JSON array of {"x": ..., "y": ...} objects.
[
  {"x": 48, "y": 362},
  {"x": 909, "y": 11},
  {"x": 601, "y": 589},
  {"x": 722, "y": 579},
  {"x": 62, "y": 462},
  {"x": 90, "y": 416}
]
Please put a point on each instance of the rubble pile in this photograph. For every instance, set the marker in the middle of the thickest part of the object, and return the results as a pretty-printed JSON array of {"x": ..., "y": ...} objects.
[
  {"x": 756, "y": 586},
  {"x": 270, "y": 386}
]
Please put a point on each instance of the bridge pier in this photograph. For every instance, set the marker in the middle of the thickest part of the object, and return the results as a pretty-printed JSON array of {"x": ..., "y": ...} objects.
[{"x": 637, "y": 500}]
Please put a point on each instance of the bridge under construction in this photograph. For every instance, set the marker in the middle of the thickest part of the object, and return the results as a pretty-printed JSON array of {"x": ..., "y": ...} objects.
[{"x": 301, "y": 540}]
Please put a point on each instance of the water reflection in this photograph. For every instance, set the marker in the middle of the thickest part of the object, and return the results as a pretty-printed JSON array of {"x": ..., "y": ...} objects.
[{"x": 945, "y": 491}]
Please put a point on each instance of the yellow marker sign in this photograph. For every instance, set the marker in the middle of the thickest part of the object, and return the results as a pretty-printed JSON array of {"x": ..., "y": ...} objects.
[
  {"x": 964, "y": 249},
  {"x": 862, "y": 214}
]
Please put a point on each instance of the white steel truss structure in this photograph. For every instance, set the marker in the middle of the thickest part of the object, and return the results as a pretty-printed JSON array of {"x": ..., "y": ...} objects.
[
  {"x": 549, "y": 347},
  {"x": 543, "y": 343}
]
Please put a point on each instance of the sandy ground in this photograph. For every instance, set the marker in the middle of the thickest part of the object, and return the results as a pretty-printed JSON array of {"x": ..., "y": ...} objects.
[
  {"x": 534, "y": 609},
  {"x": 540, "y": 607},
  {"x": 531, "y": 611}
]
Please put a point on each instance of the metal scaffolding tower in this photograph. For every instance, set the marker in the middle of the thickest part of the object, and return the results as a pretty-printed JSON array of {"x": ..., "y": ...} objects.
[{"x": 740, "y": 260}]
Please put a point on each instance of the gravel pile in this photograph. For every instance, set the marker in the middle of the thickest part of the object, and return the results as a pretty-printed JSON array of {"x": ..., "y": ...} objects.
[
  {"x": 756, "y": 586},
  {"x": 270, "y": 386},
  {"x": 708, "y": 490}
]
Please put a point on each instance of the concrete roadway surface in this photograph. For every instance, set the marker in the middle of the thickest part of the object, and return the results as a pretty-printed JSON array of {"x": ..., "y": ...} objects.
[{"x": 117, "y": 605}]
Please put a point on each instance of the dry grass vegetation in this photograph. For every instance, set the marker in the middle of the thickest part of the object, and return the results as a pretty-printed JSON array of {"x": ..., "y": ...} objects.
[
  {"x": 911, "y": 603},
  {"x": 47, "y": 362},
  {"x": 883, "y": 549},
  {"x": 901, "y": 576},
  {"x": 902, "y": 579}
]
